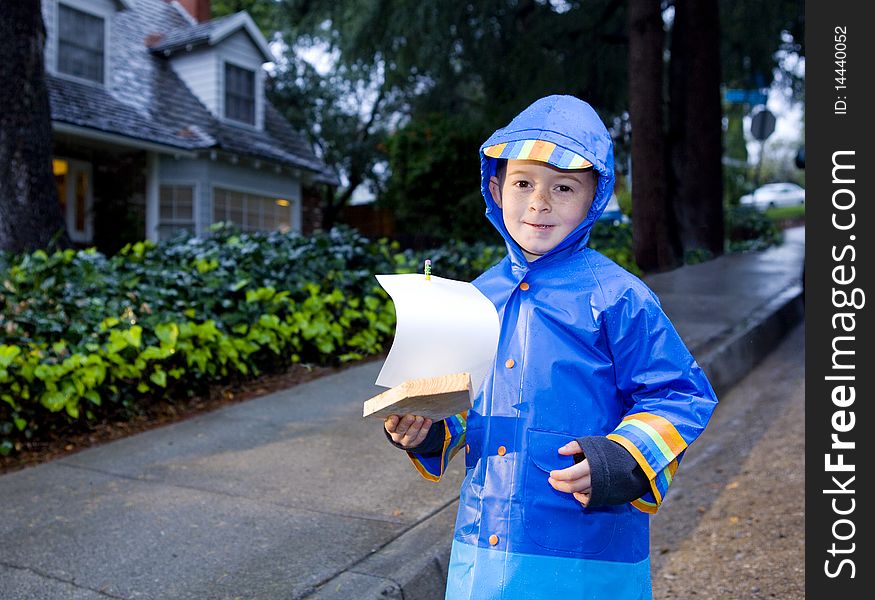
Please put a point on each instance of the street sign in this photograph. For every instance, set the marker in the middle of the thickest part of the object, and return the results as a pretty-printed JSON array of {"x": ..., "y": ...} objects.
[
  {"x": 752, "y": 97},
  {"x": 762, "y": 125}
]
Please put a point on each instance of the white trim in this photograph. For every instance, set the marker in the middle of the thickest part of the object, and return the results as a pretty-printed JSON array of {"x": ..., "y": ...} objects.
[
  {"x": 242, "y": 20},
  {"x": 180, "y": 181},
  {"x": 239, "y": 21},
  {"x": 121, "y": 140},
  {"x": 153, "y": 186},
  {"x": 267, "y": 164}
]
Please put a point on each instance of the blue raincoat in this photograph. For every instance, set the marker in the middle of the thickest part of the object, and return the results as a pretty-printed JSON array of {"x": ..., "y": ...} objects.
[{"x": 585, "y": 349}]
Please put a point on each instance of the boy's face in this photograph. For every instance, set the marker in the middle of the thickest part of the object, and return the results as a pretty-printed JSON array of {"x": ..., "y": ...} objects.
[{"x": 541, "y": 203}]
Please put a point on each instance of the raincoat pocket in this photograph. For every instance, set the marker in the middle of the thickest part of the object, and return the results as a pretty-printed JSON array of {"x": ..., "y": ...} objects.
[{"x": 554, "y": 519}]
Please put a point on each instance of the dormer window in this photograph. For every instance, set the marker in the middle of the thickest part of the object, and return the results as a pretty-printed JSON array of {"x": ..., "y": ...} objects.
[
  {"x": 239, "y": 94},
  {"x": 81, "y": 40}
]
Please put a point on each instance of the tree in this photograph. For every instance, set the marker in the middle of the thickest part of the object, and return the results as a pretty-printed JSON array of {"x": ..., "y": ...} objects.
[
  {"x": 654, "y": 234},
  {"x": 752, "y": 32},
  {"x": 434, "y": 191},
  {"x": 677, "y": 198},
  {"x": 30, "y": 214},
  {"x": 695, "y": 126},
  {"x": 344, "y": 117},
  {"x": 263, "y": 12}
]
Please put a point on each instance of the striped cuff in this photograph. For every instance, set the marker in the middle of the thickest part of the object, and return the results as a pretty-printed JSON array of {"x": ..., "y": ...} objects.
[
  {"x": 432, "y": 466},
  {"x": 657, "y": 447}
]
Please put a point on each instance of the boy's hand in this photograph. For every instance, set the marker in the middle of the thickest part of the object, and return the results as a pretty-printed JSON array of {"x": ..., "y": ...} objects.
[
  {"x": 575, "y": 479},
  {"x": 409, "y": 430}
]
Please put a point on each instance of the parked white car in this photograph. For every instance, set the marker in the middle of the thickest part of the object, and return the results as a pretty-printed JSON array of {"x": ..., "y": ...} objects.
[
  {"x": 612, "y": 212},
  {"x": 775, "y": 194}
]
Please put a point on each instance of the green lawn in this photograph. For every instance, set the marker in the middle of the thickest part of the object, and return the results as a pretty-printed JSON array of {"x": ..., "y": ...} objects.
[{"x": 783, "y": 213}]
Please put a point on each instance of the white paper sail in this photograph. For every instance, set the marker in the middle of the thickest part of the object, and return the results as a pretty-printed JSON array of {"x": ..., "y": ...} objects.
[{"x": 443, "y": 327}]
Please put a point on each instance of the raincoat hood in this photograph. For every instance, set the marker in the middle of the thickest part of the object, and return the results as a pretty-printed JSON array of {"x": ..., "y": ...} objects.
[{"x": 574, "y": 127}]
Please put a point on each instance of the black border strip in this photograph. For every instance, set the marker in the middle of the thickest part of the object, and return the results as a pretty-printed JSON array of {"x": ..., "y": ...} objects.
[{"x": 839, "y": 361}]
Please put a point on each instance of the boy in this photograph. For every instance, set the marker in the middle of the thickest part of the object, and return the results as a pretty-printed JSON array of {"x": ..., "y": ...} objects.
[{"x": 592, "y": 399}]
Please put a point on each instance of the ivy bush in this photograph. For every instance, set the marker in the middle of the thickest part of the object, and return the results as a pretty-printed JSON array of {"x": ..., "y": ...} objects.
[
  {"x": 614, "y": 240},
  {"x": 84, "y": 335},
  {"x": 748, "y": 228}
]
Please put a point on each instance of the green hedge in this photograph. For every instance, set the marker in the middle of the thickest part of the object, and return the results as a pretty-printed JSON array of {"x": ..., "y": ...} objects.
[
  {"x": 85, "y": 335},
  {"x": 747, "y": 228}
]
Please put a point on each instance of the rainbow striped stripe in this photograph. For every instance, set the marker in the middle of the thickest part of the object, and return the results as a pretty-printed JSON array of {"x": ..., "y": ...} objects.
[
  {"x": 657, "y": 447},
  {"x": 433, "y": 467},
  {"x": 538, "y": 150}
]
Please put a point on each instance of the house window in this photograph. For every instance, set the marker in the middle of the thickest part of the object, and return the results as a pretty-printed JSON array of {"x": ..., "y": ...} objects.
[
  {"x": 239, "y": 94},
  {"x": 176, "y": 211},
  {"x": 251, "y": 212},
  {"x": 80, "y": 44}
]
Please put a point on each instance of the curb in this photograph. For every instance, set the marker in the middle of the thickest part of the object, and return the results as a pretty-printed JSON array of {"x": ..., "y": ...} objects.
[
  {"x": 414, "y": 565},
  {"x": 731, "y": 356}
]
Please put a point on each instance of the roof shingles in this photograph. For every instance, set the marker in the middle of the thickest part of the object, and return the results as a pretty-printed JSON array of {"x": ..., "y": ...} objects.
[{"x": 187, "y": 35}]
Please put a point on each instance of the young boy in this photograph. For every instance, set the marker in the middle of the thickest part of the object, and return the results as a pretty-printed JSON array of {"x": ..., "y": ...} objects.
[{"x": 593, "y": 397}]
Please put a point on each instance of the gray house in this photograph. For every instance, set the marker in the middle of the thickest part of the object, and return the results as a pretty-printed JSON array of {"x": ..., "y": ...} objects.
[{"x": 160, "y": 123}]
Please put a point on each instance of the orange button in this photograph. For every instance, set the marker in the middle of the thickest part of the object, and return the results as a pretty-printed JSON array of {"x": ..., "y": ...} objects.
[
  {"x": 502, "y": 450},
  {"x": 509, "y": 363},
  {"x": 467, "y": 448},
  {"x": 524, "y": 286},
  {"x": 493, "y": 539}
]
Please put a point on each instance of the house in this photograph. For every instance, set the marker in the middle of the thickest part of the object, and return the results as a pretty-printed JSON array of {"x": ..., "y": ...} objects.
[{"x": 160, "y": 123}]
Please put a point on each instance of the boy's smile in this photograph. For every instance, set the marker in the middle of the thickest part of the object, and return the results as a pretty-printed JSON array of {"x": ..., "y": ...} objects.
[{"x": 541, "y": 204}]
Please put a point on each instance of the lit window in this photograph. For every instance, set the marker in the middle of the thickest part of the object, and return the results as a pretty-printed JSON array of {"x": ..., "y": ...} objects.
[{"x": 252, "y": 212}]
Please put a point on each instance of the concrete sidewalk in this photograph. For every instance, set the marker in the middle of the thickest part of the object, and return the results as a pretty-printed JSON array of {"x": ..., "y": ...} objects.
[{"x": 294, "y": 495}]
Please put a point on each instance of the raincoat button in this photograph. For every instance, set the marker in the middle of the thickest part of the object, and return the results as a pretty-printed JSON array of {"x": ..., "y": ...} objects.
[
  {"x": 493, "y": 539},
  {"x": 524, "y": 286},
  {"x": 467, "y": 448},
  {"x": 502, "y": 450},
  {"x": 509, "y": 363}
]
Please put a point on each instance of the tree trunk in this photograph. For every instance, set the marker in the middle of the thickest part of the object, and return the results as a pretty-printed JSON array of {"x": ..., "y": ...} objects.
[
  {"x": 696, "y": 126},
  {"x": 653, "y": 224},
  {"x": 30, "y": 214}
]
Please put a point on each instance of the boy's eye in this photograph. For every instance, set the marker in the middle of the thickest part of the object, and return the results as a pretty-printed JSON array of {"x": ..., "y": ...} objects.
[
  {"x": 563, "y": 188},
  {"x": 521, "y": 184}
]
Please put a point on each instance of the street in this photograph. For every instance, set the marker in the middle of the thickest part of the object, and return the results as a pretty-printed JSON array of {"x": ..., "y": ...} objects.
[{"x": 733, "y": 523}]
